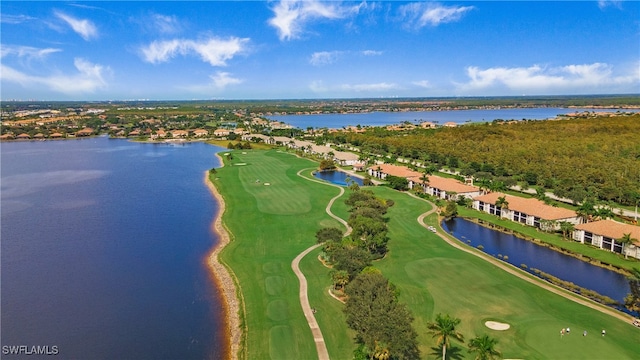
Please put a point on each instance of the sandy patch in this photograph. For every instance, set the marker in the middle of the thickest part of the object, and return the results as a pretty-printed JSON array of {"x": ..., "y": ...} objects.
[
  {"x": 240, "y": 164},
  {"x": 267, "y": 184},
  {"x": 494, "y": 325}
]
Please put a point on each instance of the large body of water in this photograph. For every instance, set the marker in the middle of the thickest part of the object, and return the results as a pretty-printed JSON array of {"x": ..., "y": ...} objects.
[
  {"x": 337, "y": 121},
  {"x": 519, "y": 251},
  {"x": 104, "y": 245}
]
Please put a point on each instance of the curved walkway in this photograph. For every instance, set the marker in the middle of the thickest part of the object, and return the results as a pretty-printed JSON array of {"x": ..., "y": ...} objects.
[
  {"x": 521, "y": 274},
  {"x": 321, "y": 347}
]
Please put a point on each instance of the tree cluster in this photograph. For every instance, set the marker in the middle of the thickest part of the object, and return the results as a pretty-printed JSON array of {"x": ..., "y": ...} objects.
[
  {"x": 578, "y": 158},
  {"x": 381, "y": 323}
]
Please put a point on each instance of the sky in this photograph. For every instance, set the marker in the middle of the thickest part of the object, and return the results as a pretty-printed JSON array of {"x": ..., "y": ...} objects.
[{"x": 166, "y": 50}]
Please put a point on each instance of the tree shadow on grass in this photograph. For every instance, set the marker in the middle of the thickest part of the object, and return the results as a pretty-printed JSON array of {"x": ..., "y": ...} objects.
[{"x": 453, "y": 352}]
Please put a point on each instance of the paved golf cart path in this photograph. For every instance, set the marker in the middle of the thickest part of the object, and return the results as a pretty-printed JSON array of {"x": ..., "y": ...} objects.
[{"x": 321, "y": 347}]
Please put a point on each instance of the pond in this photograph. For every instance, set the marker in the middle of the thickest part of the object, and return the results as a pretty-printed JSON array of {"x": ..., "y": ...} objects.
[
  {"x": 337, "y": 177},
  {"x": 520, "y": 251}
]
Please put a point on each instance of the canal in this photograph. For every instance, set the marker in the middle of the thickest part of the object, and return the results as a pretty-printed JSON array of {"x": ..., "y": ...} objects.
[{"x": 519, "y": 251}]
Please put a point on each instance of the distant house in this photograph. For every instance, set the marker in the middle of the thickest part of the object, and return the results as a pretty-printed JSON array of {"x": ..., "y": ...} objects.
[
  {"x": 23, "y": 136},
  {"x": 221, "y": 132},
  {"x": 85, "y": 132},
  {"x": 532, "y": 212},
  {"x": 135, "y": 133},
  {"x": 606, "y": 234},
  {"x": 345, "y": 158},
  {"x": 359, "y": 166},
  {"x": 381, "y": 171},
  {"x": 6, "y": 137},
  {"x": 444, "y": 188},
  {"x": 450, "y": 124},
  {"x": 56, "y": 135},
  {"x": 38, "y": 136},
  {"x": 200, "y": 133},
  {"x": 179, "y": 133},
  {"x": 428, "y": 125}
]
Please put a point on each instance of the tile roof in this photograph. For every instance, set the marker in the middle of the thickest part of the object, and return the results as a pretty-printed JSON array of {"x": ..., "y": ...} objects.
[
  {"x": 530, "y": 206},
  {"x": 611, "y": 229},
  {"x": 449, "y": 185},
  {"x": 395, "y": 170}
]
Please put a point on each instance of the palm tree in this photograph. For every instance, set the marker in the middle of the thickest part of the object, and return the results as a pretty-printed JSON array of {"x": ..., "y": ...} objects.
[
  {"x": 443, "y": 329},
  {"x": 566, "y": 227},
  {"x": 484, "y": 347},
  {"x": 626, "y": 240},
  {"x": 502, "y": 202},
  {"x": 425, "y": 180}
]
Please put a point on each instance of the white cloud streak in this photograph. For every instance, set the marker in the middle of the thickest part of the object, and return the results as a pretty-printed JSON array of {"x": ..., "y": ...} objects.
[
  {"x": 422, "y": 83},
  {"x": 420, "y": 14},
  {"x": 291, "y": 16},
  {"x": 571, "y": 78},
  {"x": 602, "y": 4},
  {"x": 321, "y": 58},
  {"x": 89, "y": 77},
  {"x": 222, "y": 79},
  {"x": 85, "y": 28},
  {"x": 383, "y": 86},
  {"x": 15, "y": 19},
  {"x": 215, "y": 51},
  {"x": 165, "y": 24},
  {"x": 371, "y": 53},
  {"x": 28, "y": 52}
]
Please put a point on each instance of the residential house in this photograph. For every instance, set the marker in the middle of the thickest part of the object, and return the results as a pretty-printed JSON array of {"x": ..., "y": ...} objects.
[
  {"x": 23, "y": 136},
  {"x": 221, "y": 132},
  {"x": 444, "y": 188},
  {"x": 179, "y": 133},
  {"x": 85, "y": 132},
  {"x": 200, "y": 133},
  {"x": 532, "y": 212},
  {"x": 606, "y": 234}
]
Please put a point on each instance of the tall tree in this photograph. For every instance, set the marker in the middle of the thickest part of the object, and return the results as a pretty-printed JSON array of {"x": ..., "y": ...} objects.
[
  {"x": 566, "y": 227},
  {"x": 484, "y": 347},
  {"x": 626, "y": 240},
  {"x": 444, "y": 329},
  {"x": 632, "y": 300},
  {"x": 502, "y": 202}
]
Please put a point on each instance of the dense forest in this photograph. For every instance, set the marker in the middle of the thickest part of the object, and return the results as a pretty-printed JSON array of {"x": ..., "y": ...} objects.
[{"x": 596, "y": 158}]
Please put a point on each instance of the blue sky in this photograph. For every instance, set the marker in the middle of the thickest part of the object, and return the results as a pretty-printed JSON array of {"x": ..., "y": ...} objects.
[{"x": 163, "y": 50}]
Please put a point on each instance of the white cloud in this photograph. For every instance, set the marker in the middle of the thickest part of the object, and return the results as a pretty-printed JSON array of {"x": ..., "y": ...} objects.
[
  {"x": 222, "y": 79},
  {"x": 291, "y": 16},
  {"x": 602, "y": 4},
  {"x": 89, "y": 77},
  {"x": 27, "y": 52},
  {"x": 165, "y": 24},
  {"x": 420, "y": 14},
  {"x": 213, "y": 50},
  {"x": 84, "y": 28},
  {"x": 581, "y": 78},
  {"x": 422, "y": 83},
  {"x": 324, "y": 57},
  {"x": 15, "y": 19},
  {"x": 371, "y": 53},
  {"x": 369, "y": 87}
]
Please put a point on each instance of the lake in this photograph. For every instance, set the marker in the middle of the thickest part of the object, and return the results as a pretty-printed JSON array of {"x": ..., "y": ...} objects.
[
  {"x": 337, "y": 177},
  {"x": 337, "y": 121},
  {"x": 104, "y": 245},
  {"x": 519, "y": 251}
]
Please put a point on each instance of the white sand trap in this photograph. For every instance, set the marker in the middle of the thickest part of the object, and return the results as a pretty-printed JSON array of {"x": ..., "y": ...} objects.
[
  {"x": 494, "y": 325},
  {"x": 267, "y": 184},
  {"x": 244, "y": 153},
  {"x": 240, "y": 164}
]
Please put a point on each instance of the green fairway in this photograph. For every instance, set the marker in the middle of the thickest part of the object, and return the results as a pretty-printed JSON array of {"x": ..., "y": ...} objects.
[{"x": 271, "y": 224}]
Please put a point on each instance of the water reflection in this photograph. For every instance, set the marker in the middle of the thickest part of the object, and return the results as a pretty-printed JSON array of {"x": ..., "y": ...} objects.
[{"x": 336, "y": 177}]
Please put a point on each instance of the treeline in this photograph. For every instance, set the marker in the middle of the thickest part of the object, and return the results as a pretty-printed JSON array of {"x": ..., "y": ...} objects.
[
  {"x": 578, "y": 159},
  {"x": 382, "y": 325}
]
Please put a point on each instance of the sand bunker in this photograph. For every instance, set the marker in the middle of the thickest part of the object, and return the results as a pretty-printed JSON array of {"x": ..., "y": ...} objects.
[
  {"x": 267, "y": 184},
  {"x": 240, "y": 164},
  {"x": 494, "y": 325}
]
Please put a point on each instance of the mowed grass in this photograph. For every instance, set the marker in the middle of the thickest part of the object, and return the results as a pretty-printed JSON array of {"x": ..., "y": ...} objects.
[
  {"x": 431, "y": 276},
  {"x": 434, "y": 277},
  {"x": 270, "y": 225}
]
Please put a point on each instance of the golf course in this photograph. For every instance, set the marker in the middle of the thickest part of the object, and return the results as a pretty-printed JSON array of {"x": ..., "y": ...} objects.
[{"x": 274, "y": 207}]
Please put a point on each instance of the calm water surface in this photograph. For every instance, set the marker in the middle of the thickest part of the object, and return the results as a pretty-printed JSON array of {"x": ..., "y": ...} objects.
[
  {"x": 520, "y": 251},
  {"x": 388, "y": 118},
  {"x": 103, "y": 249},
  {"x": 337, "y": 177}
]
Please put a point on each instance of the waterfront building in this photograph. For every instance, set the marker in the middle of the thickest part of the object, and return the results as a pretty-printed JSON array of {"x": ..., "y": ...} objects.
[
  {"x": 532, "y": 212},
  {"x": 607, "y": 234}
]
